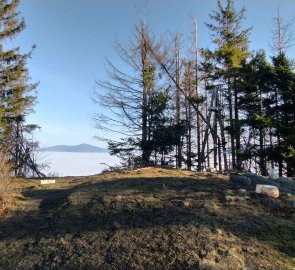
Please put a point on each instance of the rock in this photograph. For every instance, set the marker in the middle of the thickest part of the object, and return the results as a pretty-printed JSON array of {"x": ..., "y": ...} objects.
[
  {"x": 291, "y": 203},
  {"x": 229, "y": 198},
  {"x": 271, "y": 191},
  {"x": 285, "y": 190},
  {"x": 287, "y": 183},
  {"x": 256, "y": 179},
  {"x": 271, "y": 203},
  {"x": 241, "y": 180},
  {"x": 228, "y": 192},
  {"x": 211, "y": 169},
  {"x": 218, "y": 231},
  {"x": 285, "y": 179},
  {"x": 186, "y": 203},
  {"x": 242, "y": 191}
]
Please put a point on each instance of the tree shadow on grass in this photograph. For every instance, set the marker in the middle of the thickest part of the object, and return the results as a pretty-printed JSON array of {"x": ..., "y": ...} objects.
[{"x": 148, "y": 203}]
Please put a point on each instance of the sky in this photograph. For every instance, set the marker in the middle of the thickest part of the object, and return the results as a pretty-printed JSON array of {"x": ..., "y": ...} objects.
[{"x": 73, "y": 38}]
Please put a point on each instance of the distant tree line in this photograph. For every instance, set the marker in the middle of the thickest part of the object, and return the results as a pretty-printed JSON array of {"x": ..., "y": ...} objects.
[
  {"x": 17, "y": 96},
  {"x": 227, "y": 107}
]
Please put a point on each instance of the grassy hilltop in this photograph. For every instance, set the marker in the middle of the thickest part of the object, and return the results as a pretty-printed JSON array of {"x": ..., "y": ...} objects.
[{"x": 149, "y": 218}]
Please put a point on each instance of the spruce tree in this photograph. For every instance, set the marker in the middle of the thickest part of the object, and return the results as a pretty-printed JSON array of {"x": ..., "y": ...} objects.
[
  {"x": 284, "y": 82},
  {"x": 255, "y": 105},
  {"x": 16, "y": 93},
  {"x": 231, "y": 51}
]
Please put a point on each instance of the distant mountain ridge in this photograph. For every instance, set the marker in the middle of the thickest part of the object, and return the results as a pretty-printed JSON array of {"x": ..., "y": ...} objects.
[{"x": 81, "y": 148}]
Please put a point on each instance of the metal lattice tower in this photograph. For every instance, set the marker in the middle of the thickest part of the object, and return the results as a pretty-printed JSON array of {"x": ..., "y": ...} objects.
[{"x": 216, "y": 128}]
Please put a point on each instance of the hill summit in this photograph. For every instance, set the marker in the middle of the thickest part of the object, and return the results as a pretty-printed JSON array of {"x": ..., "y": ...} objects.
[{"x": 147, "y": 218}]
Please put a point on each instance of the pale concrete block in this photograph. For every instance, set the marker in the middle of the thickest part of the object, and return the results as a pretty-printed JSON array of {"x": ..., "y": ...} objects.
[
  {"x": 271, "y": 191},
  {"x": 47, "y": 182}
]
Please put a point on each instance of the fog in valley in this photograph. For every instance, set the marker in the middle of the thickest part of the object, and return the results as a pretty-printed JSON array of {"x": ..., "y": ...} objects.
[{"x": 76, "y": 164}]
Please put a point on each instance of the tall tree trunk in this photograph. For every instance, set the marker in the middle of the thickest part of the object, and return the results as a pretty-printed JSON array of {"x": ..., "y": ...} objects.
[
  {"x": 232, "y": 127},
  {"x": 278, "y": 133},
  {"x": 145, "y": 69},
  {"x": 237, "y": 130},
  {"x": 215, "y": 144},
  {"x": 225, "y": 162},
  {"x": 17, "y": 149},
  {"x": 262, "y": 162},
  {"x": 197, "y": 95},
  {"x": 189, "y": 136},
  {"x": 177, "y": 99},
  {"x": 219, "y": 155},
  {"x": 188, "y": 85}
]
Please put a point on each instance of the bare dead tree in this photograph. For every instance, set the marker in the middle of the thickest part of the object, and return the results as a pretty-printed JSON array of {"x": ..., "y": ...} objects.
[
  {"x": 26, "y": 162},
  {"x": 122, "y": 94},
  {"x": 129, "y": 98},
  {"x": 160, "y": 52},
  {"x": 283, "y": 34},
  {"x": 199, "y": 120},
  {"x": 177, "y": 95},
  {"x": 189, "y": 85}
]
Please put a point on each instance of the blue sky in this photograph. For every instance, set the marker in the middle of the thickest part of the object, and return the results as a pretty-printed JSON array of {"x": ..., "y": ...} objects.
[{"x": 74, "y": 37}]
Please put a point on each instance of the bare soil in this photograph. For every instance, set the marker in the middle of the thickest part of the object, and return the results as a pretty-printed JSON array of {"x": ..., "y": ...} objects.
[{"x": 149, "y": 218}]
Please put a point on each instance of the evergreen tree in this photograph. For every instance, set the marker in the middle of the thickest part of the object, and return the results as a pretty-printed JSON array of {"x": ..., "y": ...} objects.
[
  {"x": 284, "y": 81},
  {"x": 16, "y": 93},
  {"x": 267, "y": 105},
  {"x": 255, "y": 105},
  {"x": 231, "y": 51},
  {"x": 229, "y": 90}
]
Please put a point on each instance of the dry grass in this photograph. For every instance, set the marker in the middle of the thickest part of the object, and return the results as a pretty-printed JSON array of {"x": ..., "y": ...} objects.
[
  {"x": 149, "y": 218},
  {"x": 10, "y": 187},
  {"x": 5, "y": 181}
]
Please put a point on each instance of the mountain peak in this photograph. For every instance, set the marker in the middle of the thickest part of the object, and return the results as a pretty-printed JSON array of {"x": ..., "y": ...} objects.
[{"x": 80, "y": 148}]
